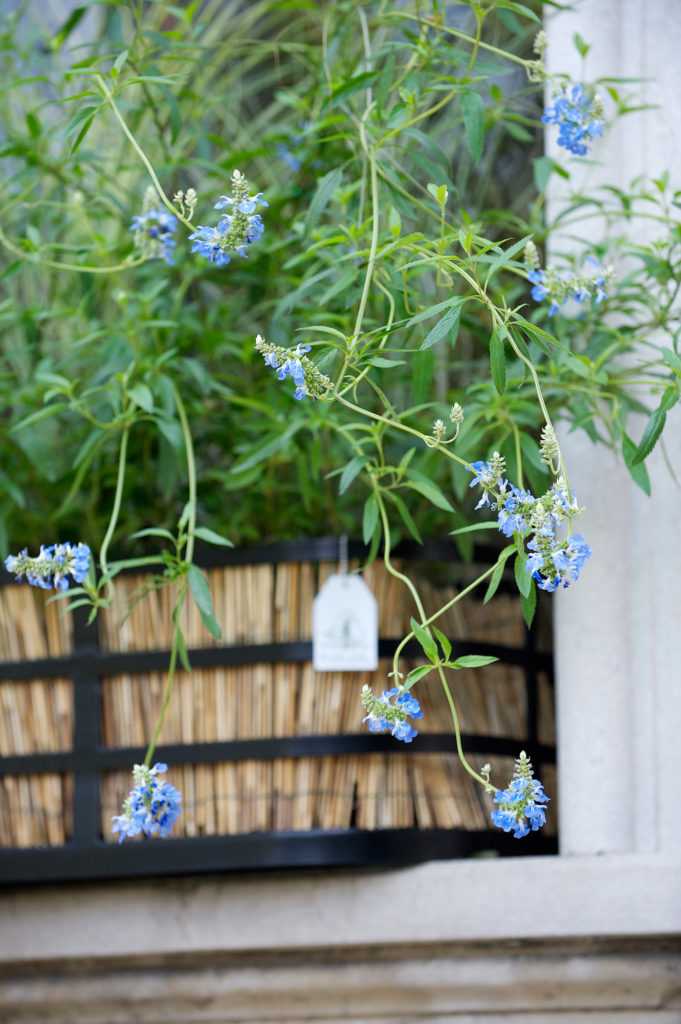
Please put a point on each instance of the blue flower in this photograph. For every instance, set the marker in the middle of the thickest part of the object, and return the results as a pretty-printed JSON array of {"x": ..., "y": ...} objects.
[
  {"x": 515, "y": 511},
  {"x": 578, "y": 118},
  {"x": 236, "y": 230},
  {"x": 54, "y": 568},
  {"x": 391, "y": 712},
  {"x": 154, "y": 230},
  {"x": 208, "y": 243},
  {"x": 152, "y": 807},
  {"x": 555, "y": 563},
  {"x": 489, "y": 476},
  {"x": 294, "y": 363},
  {"x": 520, "y": 807}
]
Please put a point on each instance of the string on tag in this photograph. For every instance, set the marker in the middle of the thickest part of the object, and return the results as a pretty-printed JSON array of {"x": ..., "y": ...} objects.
[{"x": 343, "y": 554}]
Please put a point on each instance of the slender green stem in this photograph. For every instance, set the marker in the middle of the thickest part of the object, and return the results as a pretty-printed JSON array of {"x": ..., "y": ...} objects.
[
  {"x": 436, "y": 615},
  {"x": 518, "y": 453},
  {"x": 457, "y": 732},
  {"x": 373, "y": 178},
  {"x": 115, "y": 511},
  {"x": 169, "y": 683},
  {"x": 407, "y": 430},
  {"x": 140, "y": 152},
  {"x": 191, "y": 472},
  {"x": 460, "y": 35},
  {"x": 387, "y": 562},
  {"x": 83, "y": 268}
]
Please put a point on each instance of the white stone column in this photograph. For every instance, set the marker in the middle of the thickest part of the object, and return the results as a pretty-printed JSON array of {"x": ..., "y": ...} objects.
[{"x": 618, "y": 634}]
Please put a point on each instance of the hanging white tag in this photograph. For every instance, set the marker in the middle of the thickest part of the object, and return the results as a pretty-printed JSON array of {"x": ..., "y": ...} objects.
[{"x": 345, "y": 626}]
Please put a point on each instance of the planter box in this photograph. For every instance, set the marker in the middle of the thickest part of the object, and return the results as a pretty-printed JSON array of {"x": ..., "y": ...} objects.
[{"x": 274, "y": 763}]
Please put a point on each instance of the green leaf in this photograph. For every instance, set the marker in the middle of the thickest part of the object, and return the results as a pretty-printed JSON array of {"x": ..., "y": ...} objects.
[
  {"x": 142, "y": 396},
  {"x": 672, "y": 360},
  {"x": 172, "y": 432},
  {"x": 497, "y": 360},
  {"x": 211, "y": 537},
  {"x": 581, "y": 45},
  {"x": 528, "y": 605},
  {"x": 444, "y": 642},
  {"x": 522, "y": 576},
  {"x": 118, "y": 63},
  {"x": 67, "y": 27},
  {"x": 351, "y": 471},
  {"x": 416, "y": 674},
  {"x": 431, "y": 491},
  {"x": 41, "y": 414},
  {"x": 355, "y": 84},
  {"x": 426, "y": 314},
  {"x": 654, "y": 427},
  {"x": 268, "y": 449},
  {"x": 386, "y": 364},
  {"x": 405, "y": 515},
  {"x": 498, "y": 573},
  {"x": 394, "y": 222},
  {"x": 473, "y": 661},
  {"x": 153, "y": 531},
  {"x": 369, "y": 518},
  {"x": 474, "y": 527},
  {"x": 182, "y": 650},
  {"x": 198, "y": 584},
  {"x": 448, "y": 323},
  {"x": 638, "y": 471},
  {"x": 474, "y": 123},
  {"x": 322, "y": 197},
  {"x": 543, "y": 167},
  {"x": 428, "y": 645}
]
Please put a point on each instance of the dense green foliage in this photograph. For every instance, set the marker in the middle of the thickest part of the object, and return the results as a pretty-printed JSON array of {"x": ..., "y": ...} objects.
[{"x": 343, "y": 89}]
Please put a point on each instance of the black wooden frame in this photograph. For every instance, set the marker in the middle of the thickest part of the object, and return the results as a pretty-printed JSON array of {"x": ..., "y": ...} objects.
[{"x": 87, "y": 856}]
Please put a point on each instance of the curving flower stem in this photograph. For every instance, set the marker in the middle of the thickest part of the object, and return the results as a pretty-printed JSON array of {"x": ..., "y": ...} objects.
[
  {"x": 115, "y": 511},
  {"x": 424, "y": 622},
  {"x": 191, "y": 471},
  {"x": 476, "y": 43},
  {"x": 386, "y": 557},
  {"x": 169, "y": 683},
  {"x": 436, "y": 615},
  {"x": 396, "y": 425},
  {"x": 457, "y": 733},
  {"x": 140, "y": 152},
  {"x": 83, "y": 268}
]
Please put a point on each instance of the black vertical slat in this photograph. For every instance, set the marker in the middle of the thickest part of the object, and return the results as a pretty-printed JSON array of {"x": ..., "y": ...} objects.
[
  {"x": 532, "y": 697},
  {"x": 86, "y": 733}
]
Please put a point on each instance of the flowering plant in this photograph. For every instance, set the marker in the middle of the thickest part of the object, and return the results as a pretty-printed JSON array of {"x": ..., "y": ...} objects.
[{"x": 392, "y": 272}]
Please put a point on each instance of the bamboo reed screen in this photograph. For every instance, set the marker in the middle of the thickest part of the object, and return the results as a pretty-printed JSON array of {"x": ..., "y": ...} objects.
[{"x": 258, "y": 604}]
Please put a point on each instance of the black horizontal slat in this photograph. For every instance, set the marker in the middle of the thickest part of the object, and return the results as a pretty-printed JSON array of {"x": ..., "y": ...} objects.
[
  {"x": 112, "y": 663},
  {"x": 322, "y": 549},
  {"x": 257, "y": 851},
  {"x": 268, "y": 748}
]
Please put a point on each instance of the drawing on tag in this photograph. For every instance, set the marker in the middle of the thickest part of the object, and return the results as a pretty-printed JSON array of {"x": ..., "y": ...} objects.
[{"x": 345, "y": 626}]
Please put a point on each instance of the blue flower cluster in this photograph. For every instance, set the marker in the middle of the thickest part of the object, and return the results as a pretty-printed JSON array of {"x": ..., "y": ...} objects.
[
  {"x": 555, "y": 560},
  {"x": 579, "y": 119},
  {"x": 54, "y": 568},
  {"x": 559, "y": 287},
  {"x": 154, "y": 231},
  {"x": 236, "y": 230},
  {"x": 391, "y": 712},
  {"x": 152, "y": 807},
  {"x": 521, "y": 806},
  {"x": 291, "y": 367},
  {"x": 294, "y": 363}
]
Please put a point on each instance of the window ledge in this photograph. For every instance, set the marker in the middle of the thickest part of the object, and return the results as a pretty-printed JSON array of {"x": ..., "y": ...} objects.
[{"x": 446, "y": 902}]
